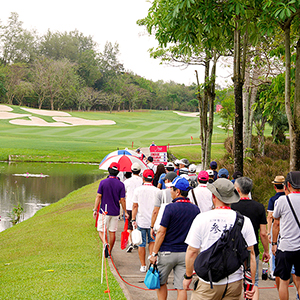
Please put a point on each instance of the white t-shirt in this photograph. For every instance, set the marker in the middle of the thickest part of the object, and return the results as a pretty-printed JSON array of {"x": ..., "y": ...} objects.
[
  {"x": 163, "y": 196},
  {"x": 203, "y": 196},
  {"x": 289, "y": 229},
  {"x": 207, "y": 228},
  {"x": 145, "y": 196},
  {"x": 152, "y": 167},
  {"x": 130, "y": 185}
]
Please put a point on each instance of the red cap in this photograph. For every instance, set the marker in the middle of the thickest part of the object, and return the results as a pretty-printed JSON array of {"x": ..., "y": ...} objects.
[
  {"x": 149, "y": 174},
  {"x": 203, "y": 175},
  {"x": 115, "y": 166}
]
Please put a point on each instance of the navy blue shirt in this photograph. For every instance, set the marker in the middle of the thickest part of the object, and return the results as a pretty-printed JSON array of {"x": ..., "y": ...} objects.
[
  {"x": 177, "y": 218},
  {"x": 273, "y": 199}
]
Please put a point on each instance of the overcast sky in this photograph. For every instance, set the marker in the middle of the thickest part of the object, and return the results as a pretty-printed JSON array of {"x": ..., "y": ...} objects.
[{"x": 109, "y": 20}]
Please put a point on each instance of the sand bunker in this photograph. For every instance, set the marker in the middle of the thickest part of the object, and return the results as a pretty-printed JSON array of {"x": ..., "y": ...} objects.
[
  {"x": 43, "y": 112},
  {"x": 229, "y": 127},
  {"x": 35, "y": 121},
  {"x": 5, "y": 108},
  {"x": 9, "y": 115},
  {"x": 79, "y": 121},
  {"x": 193, "y": 115}
]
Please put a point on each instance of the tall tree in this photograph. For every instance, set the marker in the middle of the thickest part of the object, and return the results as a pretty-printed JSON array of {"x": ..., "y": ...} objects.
[
  {"x": 14, "y": 75},
  {"x": 190, "y": 28},
  {"x": 285, "y": 15},
  {"x": 17, "y": 44},
  {"x": 55, "y": 81}
]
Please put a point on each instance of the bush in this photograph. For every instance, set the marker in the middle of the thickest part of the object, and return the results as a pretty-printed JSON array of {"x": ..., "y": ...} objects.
[{"x": 262, "y": 170}]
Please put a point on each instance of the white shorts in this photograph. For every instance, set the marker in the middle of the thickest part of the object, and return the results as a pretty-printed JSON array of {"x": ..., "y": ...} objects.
[{"x": 110, "y": 222}]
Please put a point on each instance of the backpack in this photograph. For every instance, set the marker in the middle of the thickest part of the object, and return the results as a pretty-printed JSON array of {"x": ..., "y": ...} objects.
[{"x": 225, "y": 256}]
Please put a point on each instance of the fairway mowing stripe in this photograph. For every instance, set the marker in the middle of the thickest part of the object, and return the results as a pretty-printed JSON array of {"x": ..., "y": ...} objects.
[
  {"x": 181, "y": 130},
  {"x": 85, "y": 132},
  {"x": 116, "y": 133}
]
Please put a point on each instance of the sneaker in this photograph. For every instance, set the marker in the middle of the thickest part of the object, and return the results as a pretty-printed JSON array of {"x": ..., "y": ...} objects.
[
  {"x": 271, "y": 277},
  {"x": 129, "y": 249},
  {"x": 143, "y": 269},
  {"x": 135, "y": 247},
  {"x": 106, "y": 252}
]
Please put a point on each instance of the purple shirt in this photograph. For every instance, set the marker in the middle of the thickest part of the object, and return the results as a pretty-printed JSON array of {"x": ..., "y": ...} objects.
[{"x": 112, "y": 190}]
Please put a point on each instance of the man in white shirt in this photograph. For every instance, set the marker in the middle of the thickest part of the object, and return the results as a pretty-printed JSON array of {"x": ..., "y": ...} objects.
[
  {"x": 288, "y": 251},
  {"x": 143, "y": 205},
  {"x": 150, "y": 164},
  {"x": 206, "y": 229},
  {"x": 130, "y": 185},
  {"x": 201, "y": 195},
  {"x": 163, "y": 196}
]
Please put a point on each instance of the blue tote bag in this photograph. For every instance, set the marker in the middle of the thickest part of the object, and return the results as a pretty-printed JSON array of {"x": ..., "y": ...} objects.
[{"x": 152, "y": 281}]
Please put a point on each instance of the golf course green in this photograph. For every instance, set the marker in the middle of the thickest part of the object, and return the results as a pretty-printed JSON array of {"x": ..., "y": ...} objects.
[{"x": 91, "y": 143}]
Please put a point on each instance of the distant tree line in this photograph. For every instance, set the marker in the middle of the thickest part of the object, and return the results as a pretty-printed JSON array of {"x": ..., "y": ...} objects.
[{"x": 64, "y": 70}]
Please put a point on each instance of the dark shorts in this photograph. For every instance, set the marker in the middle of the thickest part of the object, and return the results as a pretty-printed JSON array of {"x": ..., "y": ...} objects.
[
  {"x": 129, "y": 219},
  {"x": 284, "y": 262}
]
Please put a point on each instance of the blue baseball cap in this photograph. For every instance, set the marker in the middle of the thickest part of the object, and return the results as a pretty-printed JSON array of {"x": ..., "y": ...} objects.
[
  {"x": 223, "y": 173},
  {"x": 181, "y": 184}
]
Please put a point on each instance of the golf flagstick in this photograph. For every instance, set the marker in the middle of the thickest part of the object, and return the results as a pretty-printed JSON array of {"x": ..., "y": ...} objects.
[{"x": 104, "y": 232}]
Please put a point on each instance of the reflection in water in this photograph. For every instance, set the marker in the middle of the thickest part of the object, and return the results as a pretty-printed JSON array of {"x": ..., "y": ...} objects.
[{"x": 34, "y": 192}]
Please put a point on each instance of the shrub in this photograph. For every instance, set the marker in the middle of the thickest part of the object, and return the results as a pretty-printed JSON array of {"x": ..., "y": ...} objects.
[{"x": 262, "y": 170}]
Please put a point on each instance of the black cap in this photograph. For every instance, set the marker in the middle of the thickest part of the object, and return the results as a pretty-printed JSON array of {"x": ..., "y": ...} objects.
[{"x": 294, "y": 179}]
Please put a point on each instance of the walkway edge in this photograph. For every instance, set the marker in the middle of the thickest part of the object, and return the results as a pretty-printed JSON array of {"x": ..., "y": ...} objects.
[{"x": 120, "y": 281}]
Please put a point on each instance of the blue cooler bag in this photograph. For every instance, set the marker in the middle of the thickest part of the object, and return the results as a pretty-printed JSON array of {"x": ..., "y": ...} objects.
[{"x": 152, "y": 281}]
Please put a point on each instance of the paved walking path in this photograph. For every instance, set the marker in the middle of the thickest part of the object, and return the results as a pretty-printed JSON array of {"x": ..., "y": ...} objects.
[{"x": 128, "y": 265}]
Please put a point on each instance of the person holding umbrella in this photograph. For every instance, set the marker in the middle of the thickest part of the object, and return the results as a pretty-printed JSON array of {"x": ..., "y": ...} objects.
[{"x": 111, "y": 193}]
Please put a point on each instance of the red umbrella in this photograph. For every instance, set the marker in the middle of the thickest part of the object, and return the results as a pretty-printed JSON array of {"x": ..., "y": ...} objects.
[{"x": 125, "y": 162}]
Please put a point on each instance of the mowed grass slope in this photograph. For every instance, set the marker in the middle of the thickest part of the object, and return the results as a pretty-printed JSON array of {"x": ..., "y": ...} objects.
[
  {"x": 56, "y": 254},
  {"x": 92, "y": 143}
]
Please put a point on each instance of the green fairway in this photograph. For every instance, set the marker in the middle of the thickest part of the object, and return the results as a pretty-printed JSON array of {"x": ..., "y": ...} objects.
[{"x": 92, "y": 143}]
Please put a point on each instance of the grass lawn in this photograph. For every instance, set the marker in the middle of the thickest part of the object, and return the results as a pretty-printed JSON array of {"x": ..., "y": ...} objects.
[
  {"x": 56, "y": 254},
  {"x": 193, "y": 153},
  {"x": 92, "y": 143}
]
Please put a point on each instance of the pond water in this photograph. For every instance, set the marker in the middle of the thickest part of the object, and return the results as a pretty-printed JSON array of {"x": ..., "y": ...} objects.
[{"x": 35, "y": 185}]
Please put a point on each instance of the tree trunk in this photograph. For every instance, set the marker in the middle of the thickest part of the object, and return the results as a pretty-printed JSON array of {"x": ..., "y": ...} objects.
[
  {"x": 238, "y": 95},
  {"x": 246, "y": 108},
  {"x": 294, "y": 125},
  {"x": 212, "y": 96}
]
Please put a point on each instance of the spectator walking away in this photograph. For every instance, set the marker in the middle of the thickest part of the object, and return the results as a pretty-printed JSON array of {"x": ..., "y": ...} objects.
[
  {"x": 183, "y": 166},
  {"x": 192, "y": 175},
  {"x": 206, "y": 229},
  {"x": 201, "y": 195},
  {"x": 169, "y": 248},
  {"x": 287, "y": 213},
  {"x": 111, "y": 193},
  {"x": 164, "y": 196},
  {"x": 130, "y": 185},
  {"x": 161, "y": 182},
  {"x": 160, "y": 169},
  {"x": 176, "y": 163},
  {"x": 255, "y": 211},
  {"x": 143, "y": 205},
  {"x": 236, "y": 175},
  {"x": 278, "y": 183},
  {"x": 213, "y": 166},
  {"x": 223, "y": 173},
  {"x": 211, "y": 176},
  {"x": 150, "y": 164},
  {"x": 141, "y": 155}
]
